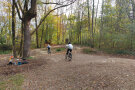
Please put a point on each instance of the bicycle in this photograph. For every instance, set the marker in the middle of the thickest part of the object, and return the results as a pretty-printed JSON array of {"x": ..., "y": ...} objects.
[
  {"x": 69, "y": 56},
  {"x": 49, "y": 51}
]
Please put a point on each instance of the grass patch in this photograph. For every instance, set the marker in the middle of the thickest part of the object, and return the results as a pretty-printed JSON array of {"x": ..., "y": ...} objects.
[
  {"x": 60, "y": 49},
  {"x": 30, "y": 58},
  {"x": 17, "y": 80},
  {"x": 3, "y": 85},
  {"x": 88, "y": 51},
  {"x": 5, "y": 52},
  {"x": 12, "y": 83}
]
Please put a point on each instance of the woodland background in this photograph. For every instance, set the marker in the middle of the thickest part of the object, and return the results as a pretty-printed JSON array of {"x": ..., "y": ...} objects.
[{"x": 101, "y": 24}]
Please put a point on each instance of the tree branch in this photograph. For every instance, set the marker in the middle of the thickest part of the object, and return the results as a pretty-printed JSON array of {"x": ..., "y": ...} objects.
[
  {"x": 32, "y": 12},
  {"x": 20, "y": 5},
  {"x": 49, "y": 13},
  {"x": 52, "y": 3},
  {"x": 18, "y": 11},
  {"x": 26, "y": 5}
]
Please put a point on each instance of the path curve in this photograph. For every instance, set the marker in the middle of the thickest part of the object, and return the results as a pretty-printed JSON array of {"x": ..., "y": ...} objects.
[{"x": 84, "y": 72}]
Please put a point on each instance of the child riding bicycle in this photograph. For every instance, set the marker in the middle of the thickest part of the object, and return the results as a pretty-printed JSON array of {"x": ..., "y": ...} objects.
[
  {"x": 69, "y": 47},
  {"x": 49, "y": 48}
]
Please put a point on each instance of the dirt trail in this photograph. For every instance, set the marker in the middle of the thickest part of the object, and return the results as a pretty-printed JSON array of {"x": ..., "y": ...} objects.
[{"x": 84, "y": 72}]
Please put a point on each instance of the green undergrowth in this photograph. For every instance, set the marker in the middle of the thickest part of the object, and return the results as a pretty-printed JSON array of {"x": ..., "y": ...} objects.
[
  {"x": 60, "y": 49},
  {"x": 5, "y": 52},
  {"x": 109, "y": 51},
  {"x": 121, "y": 52},
  {"x": 88, "y": 51},
  {"x": 12, "y": 83},
  {"x": 30, "y": 58}
]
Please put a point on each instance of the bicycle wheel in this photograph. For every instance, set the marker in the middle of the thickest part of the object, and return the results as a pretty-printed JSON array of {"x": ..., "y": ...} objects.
[
  {"x": 49, "y": 51},
  {"x": 69, "y": 56}
]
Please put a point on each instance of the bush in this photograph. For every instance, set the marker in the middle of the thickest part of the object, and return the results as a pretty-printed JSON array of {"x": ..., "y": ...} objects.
[
  {"x": 88, "y": 51},
  {"x": 5, "y": 47},
  {"x": 125, "y": 52},
  {"x": 128, "y": 52},
  {"x": 5, "y": 52},
  {"x": 60, "y": 49}
]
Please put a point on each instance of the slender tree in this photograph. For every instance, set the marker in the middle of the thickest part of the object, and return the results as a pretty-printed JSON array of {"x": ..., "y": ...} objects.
[
  {"x": 13, "y": 28},
  {"x": 101, "y": 22},
  {"x": 93, "y": 25},
  {"x": 88, "y": 16},
  {"x": 96, "y": 15},
  {"x": 36, "y": 32}
]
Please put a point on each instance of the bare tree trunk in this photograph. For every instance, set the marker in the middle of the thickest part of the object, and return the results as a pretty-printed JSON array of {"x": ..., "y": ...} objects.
[
  {"x": 42, "y": 35},
  {"x": 60, "y": 31},
  {"x": 132, "y": 21},
  {"x": 28, "y": 15},
  {"x": 133, "y": 1},
  {"x": 36, "y": 32},
  {"x": 96, "y": 16},
  {"x": 119, "y": 13},
  {"x": 9, "y": 24},
  {"x": 13, "y": 28},
  {"x": 21, "y": 43},
  {"x": 93, "y": 25},
  {"x": 101, "y": 27},
  {"x": 57, "y": 25},
  {"x": 71, "y": 27},
  {"x": 81, "y": 27},
  {"x": 57, "y": 28},
  {"x": 63, "y": 31},
  {"x": 27, "y": 39},
  {"x": 70, "y": 31},
  {"x": 88, "y": 17}
]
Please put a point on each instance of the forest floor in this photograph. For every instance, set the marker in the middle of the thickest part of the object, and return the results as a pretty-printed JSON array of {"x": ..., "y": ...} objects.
[{"x": 84, "y": 72}]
